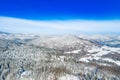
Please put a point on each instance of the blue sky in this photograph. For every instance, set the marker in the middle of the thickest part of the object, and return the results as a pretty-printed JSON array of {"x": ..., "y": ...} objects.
[{"x": 97, "y": 13}]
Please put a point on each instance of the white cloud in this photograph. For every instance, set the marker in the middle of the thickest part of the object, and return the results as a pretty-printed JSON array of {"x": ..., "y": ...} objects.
[{"x": 58, "y": 26}]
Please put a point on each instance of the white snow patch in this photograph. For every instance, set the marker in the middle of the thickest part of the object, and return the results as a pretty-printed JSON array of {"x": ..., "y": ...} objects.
[
  {"x": 88, "y": 59},
  {"x": 84, "y": 59},
  {"x": 75, "y": 52},
  {"x": 69, "y": 77},
  {"x": 61, "y": 58},
  {"x": 27, "y": 75},
  {"x": 111, "y": 60},
  {"x": 98, "y": 52}
]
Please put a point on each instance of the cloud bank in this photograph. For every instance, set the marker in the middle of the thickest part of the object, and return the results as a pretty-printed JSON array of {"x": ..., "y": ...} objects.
[{"x": 17, "y": 25}]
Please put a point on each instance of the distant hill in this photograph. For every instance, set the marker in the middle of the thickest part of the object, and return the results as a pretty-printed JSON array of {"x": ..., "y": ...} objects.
[{"x": 1, "y": 32}]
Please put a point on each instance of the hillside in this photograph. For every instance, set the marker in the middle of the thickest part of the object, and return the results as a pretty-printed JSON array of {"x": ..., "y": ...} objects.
[{"x": 68, "y": 57}]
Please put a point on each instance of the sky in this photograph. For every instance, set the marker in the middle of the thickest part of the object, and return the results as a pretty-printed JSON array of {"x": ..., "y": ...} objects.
[{"x": 60, "y": 16}]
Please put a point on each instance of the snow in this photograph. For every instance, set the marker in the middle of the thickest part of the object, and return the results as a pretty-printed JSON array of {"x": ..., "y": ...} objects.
[
  {"x": 96, "y": 53},
  {"x": 88, "y": 59},
  {"x": 75, "y": 52},
  {"x": 61, "y": 58},
  {"x": 26, "y": 75},
  {"x": 103, "y": 50},
  {"x": 84, "y": 59},
  {"x": 99, "y": 51},
  {"x": 94, "y": 49},
  {"x": 111, "y": 60},
  {"x": 111, "y": 48},
  {"x": 69, "y": 77},
  {"x": 95, "y": 37}
]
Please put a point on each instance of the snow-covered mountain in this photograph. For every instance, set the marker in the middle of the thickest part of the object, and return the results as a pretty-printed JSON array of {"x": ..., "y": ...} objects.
[{"x": 67, "y": 57}]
